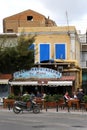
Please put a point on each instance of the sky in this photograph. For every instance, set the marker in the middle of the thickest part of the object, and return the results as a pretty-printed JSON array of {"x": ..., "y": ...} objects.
[{"x": 63, "y": 12}]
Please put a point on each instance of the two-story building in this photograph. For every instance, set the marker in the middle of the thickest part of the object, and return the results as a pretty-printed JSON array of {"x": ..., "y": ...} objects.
[{"x": 57, "y": 54}]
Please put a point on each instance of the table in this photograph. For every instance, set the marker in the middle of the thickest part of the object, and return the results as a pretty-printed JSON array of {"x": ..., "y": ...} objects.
[
  {"x": 74, "y": 101},
  {"x": 40, "y": 102}
]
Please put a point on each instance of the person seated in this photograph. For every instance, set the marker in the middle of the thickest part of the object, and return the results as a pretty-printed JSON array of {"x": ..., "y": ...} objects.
[
  {"x": 39, "y": 95},
  {"x": 74, "y": 95},
  {"x": 26, "y": 93},
  {"x": 66, "y": 97}
]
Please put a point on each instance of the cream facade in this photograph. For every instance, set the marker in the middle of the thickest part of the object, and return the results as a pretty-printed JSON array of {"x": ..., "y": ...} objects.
[
  {"x": 66, "y": 36},
  {"x": 54, "y": 35}
]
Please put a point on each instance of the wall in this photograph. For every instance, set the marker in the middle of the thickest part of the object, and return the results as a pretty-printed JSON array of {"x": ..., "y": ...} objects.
[{"x": 28, "y": 18}]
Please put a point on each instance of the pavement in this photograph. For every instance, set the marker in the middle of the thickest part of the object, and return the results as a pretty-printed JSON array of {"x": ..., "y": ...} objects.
[{"x": 53, "y": 110}]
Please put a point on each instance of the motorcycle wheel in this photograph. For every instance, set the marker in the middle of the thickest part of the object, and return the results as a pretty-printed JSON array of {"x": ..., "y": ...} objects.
[
  {"x": 15, "y": 110},
  {"x": 36, "y": 110}
]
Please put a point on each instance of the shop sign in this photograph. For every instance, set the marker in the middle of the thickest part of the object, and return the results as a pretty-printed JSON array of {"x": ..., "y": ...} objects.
[{"x": 37, "y": 73}]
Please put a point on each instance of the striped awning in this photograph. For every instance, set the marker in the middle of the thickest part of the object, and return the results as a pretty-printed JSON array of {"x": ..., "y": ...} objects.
[
  {"x": 4, "y": 81},
  {"x": 23, "y": 83},
  {"x": 49, "y": 83},
  {"x": 60, "y": 83}
]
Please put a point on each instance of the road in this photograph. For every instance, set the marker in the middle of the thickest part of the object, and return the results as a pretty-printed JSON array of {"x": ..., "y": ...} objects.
[{"x": 43, "y": 121}]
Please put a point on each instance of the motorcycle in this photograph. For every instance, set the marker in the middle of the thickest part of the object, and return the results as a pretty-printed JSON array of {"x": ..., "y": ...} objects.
[{"x": 20, "y": 106}]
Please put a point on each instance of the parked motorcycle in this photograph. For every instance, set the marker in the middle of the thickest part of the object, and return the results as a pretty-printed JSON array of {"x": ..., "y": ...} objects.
[{"x": 20, "y": 106}]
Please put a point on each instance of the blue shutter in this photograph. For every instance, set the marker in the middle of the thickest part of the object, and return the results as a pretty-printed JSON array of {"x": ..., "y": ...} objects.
[
  {"x": 44, "y": 52},
  {"x": 31, "y": 47},
  {"x": 60, "y": 51}
]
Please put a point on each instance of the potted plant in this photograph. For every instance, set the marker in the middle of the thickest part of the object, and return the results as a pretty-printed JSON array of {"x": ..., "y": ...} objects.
[
  {"x": 85, "y": 101},
  {"x": 57, "y": 97},
  {"x": 11, "y": 96},
  {"x": 9, "y": 101},
  {"x": 26, "y": 98},
  {"x": 49, "y": 101},
  {"x": 52, "y": 100}
]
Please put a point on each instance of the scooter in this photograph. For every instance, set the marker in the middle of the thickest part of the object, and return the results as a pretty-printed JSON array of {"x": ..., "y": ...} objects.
[{"x": 20, "y": 106}]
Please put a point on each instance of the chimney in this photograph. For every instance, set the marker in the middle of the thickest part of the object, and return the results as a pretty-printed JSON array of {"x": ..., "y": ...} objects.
[{"x": 48, "y": 17}]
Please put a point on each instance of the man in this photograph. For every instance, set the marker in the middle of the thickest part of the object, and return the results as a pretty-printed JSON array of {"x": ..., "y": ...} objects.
[{"x": 80, "y": 95}]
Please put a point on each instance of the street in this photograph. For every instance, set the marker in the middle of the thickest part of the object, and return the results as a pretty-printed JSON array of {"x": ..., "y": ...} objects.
[{"x": 43, "y": 121}]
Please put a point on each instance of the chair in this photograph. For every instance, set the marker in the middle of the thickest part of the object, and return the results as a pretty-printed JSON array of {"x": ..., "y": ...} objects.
[
  {"x": 82, "y": 105},
  {"x": 63, "y": 104},
  {"x": 74, "y": 106}
]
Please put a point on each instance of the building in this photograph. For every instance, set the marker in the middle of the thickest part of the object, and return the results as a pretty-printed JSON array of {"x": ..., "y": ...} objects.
[
  {"x": 83, "y": 42},
  {"x": 8, "y": 39},
  {"x": 28, "y": 18},
  {"x": 58, "y": 52},
  {"x": 4, "y": 85}
]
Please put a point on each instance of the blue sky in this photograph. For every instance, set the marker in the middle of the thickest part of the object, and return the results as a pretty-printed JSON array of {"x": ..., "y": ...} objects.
[{"x": 55, "y": 9}]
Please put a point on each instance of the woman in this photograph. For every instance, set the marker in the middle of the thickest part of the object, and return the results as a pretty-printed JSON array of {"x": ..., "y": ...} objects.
[{"x": 66, "y": 97}]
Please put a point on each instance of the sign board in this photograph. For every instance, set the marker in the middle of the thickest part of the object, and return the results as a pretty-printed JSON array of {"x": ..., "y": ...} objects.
[{"x": 37, "y": 73}]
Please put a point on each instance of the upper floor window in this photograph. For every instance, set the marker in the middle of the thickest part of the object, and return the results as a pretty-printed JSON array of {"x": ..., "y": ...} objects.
[
  {"x": 30, "y": 18},
  {"x": 9, "y": 30},
  {"x": 44, "y": 52},
  {"x": 60, "y": 51}
]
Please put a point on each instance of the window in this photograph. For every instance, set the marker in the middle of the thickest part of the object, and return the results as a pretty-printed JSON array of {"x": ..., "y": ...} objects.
[
  {"x": 44, "y": 52},
  {"x": 60, "y": 51},
  {"x": 30, "y": 18},
  {"x": 9, "y": 30},
  {"x": 4, "y": 90}
]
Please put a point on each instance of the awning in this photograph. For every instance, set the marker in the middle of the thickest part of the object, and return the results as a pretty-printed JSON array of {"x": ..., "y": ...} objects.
[
  {"x": 4, "y": 81},
  {"x": 49, "y": 83},
  {"x": 60, "y": 83},
  {"x": 23, "y": 83}
]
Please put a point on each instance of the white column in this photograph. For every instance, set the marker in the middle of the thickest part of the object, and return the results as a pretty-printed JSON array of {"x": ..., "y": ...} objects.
[{"x": 72, "y": 46}]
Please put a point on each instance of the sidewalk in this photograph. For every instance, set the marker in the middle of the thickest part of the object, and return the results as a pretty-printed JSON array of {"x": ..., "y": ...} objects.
[{"x": 53, "y": 110}]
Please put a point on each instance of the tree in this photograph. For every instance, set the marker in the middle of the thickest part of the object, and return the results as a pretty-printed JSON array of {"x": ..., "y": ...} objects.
[{"x": 18, "y": 57}]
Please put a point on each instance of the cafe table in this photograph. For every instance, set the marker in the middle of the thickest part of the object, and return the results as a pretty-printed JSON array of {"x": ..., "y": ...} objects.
[{"x": 75, "y": 102}]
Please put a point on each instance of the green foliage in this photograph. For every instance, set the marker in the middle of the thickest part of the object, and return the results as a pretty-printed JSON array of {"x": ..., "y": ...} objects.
[
  {"x": 26, "y": 98},
  {"x": 54, "y": 98},
  {"x": 85, "y": 98},
  {"x": 15, "y": 58},
  {"x": 57, "y": 97},
  {"x": 11, "y": 96}
]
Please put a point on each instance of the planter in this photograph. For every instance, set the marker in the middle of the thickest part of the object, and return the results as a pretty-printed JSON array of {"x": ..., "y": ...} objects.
[
  {"x": 8, "y": 103},
  {"x": 86, "y": 106},
  {"x": 53, "y": 101},
  {"x": 50, "y": 104}
]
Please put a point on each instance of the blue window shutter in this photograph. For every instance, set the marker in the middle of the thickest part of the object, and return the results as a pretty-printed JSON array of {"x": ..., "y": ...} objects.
[
  {"x": 31, "y": 47},
  {"x": 44, "y": 52},
  {"x": 60, "y": 51}
]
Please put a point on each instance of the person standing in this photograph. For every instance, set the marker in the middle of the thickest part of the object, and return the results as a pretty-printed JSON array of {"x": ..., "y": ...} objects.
[{"x": 80, "y": 95}]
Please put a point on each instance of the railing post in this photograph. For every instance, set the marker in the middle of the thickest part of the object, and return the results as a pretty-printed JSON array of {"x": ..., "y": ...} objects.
[
  {"x": 57, "y": 106},
  {"x": 9, "y": 106},
  {"x": 68, "y": 108},
  {"x": 46, "y": 106}
]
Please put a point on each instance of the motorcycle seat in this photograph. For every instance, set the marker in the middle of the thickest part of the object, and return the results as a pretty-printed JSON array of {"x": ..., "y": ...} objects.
[{"x": 22, "y": 103}]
